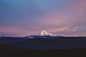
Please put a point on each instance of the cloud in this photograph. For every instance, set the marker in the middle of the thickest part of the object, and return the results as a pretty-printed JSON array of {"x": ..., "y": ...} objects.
[
  {"x": 59, "y": 29},
  {"x": 74, "y": 29}
]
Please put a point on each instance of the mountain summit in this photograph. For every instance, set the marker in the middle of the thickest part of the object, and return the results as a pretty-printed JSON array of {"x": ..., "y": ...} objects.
[{"x": 44, "y": 33}]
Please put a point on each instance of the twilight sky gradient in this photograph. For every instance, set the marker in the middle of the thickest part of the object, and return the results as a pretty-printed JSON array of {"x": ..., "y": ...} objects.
[{"x": 28, "y": 17}]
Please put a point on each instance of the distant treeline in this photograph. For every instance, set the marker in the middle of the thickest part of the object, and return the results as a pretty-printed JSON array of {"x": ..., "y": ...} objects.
[
  {"x": 5, "y": 52},
  {"x": 39, "y": 37},
  {"x": 9, "y": 37}
]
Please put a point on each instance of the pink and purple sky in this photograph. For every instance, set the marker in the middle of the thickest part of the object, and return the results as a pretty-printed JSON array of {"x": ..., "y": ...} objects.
[{"x": 28, "y": 17}]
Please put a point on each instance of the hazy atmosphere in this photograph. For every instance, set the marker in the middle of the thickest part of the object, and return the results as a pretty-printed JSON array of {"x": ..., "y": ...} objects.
[{"x": 28, "y": 17}]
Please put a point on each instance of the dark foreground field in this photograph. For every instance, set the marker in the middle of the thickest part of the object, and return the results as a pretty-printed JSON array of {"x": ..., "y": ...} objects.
[
  {"x": 8, "y": 52},
  {"x": 61, "y": 47}
]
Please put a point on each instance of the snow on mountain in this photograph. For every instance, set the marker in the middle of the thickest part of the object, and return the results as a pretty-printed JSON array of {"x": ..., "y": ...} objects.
[{"x": 44, "y": 33}]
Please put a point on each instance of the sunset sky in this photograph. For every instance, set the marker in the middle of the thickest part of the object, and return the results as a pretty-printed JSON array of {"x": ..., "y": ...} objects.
[{"x": 28, "y": 17}]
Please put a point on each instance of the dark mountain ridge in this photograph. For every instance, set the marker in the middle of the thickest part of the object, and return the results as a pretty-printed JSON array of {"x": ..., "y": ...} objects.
[{"x": 46, "y": 44}]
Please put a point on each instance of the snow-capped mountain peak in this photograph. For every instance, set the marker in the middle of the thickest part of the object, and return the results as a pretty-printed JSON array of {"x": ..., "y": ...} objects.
[{"x": 44, "y": 33}]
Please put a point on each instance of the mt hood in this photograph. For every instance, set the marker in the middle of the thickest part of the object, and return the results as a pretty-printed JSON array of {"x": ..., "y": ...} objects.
[{"x": 44, "y": 33}]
